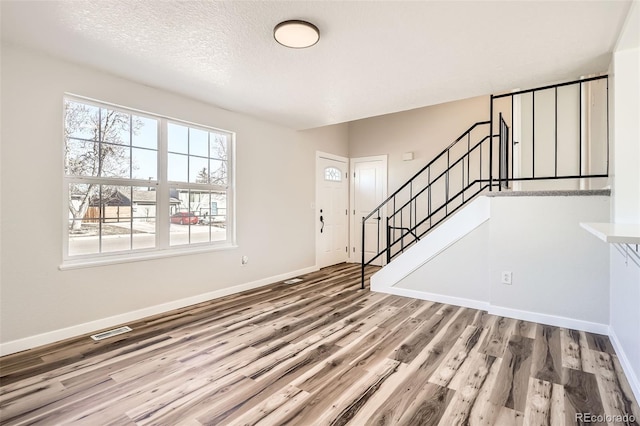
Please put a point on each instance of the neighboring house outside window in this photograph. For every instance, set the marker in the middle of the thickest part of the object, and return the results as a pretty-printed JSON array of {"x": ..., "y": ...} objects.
[{"x": 140, "y": 183}]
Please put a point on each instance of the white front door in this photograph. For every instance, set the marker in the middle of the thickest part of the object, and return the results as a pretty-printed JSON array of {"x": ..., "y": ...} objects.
[
  {"x": 369, "y": 190},
  {"x": 332, "y": 232}
]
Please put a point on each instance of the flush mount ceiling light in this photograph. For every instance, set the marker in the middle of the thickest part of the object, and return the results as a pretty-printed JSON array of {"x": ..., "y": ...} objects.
[{"x": 296, "y": 34}]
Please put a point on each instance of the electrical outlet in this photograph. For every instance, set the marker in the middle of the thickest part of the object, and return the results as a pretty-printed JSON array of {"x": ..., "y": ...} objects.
[
  {"x": 245, "y": 260},
  {"x": 507, "y": 277}
]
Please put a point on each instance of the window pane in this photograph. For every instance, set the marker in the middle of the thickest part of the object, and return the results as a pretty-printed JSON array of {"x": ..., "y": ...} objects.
[
  {"x": 219, "y": 172},
  {"x": 116, "y": 235},
  {"x": 83, "y": 221},
  {"x": 96, "y": 159},
  {"x": 332, "y": 174},
  {"x": 200, "y": 205},
  {"x": 218, "y": 146},
  {"x": 198, "y": 170},
  {"x": 218, "y": 216},
  {"x": 81, "y": 121},
  {"x": 182, "y": 218},
  {"x": 144, "y": 218},
  {"x": 178, "y": 138},
  {"x": 145, "y": 134},
  {"x": 115, "y": 127},
  {"x": 200, "y": 233},
  {"x": 114, "y": 209},
  {"x": 81, "y": 158},
  {"x": 145, "y": 164},
  {"x": 198, "y": 142},
  {"x": 177, "y": 169},
  {"x": 144, "y": 203},
  {"x": 144, "y": 233},
  {"x": 114, "y": 161}
]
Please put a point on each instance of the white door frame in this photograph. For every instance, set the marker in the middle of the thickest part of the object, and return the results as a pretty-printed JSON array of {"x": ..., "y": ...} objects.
[
  {"x": 353, "y": 222},
  {"x": 345, "y": 160}
]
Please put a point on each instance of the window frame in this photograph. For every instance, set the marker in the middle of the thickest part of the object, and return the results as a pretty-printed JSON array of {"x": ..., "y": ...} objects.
[{"x": 162, "y": 247}]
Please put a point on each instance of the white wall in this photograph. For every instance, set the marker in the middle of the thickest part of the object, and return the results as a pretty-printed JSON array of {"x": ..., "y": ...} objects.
[
  {"x": 559, "y": 271},
  {"x": 625, "y": 278},
  {"x": 462, "y": 272},
  {"x": 275, "y": 191}
]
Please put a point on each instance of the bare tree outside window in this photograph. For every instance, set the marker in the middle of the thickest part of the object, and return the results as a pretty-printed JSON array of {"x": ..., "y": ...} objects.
[
  {"x": 219, "y": 145},
  {"x": 217, "y": 173},
  {"x": 98, "y": 142}
]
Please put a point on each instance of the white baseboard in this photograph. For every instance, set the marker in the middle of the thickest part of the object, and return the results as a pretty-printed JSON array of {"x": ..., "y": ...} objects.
[
  {"x": 554, "y": 320},
  {"x": 631, "y": 375},
  {"x": 433, "y": 297},
  {"x": 92, "y": 326}
]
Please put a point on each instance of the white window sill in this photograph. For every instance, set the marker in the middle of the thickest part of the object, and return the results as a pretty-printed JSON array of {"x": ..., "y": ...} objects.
[{"x": 140, "y": 257}]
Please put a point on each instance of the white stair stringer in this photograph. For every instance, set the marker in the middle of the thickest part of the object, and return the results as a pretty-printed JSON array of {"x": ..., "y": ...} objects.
[{"x": 453, "y": 229}]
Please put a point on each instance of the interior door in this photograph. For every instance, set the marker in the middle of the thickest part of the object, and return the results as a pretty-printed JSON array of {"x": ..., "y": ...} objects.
[
  {"x": 332, "y": 231},
  {"x": 369, "y": 190}
]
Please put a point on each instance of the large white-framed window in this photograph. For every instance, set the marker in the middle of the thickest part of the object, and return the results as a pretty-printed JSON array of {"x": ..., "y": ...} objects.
[{"x": 138, "y": 184}]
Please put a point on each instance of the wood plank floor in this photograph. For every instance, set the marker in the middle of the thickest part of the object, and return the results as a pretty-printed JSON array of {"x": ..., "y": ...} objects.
[{"x": 321, "y": 352}]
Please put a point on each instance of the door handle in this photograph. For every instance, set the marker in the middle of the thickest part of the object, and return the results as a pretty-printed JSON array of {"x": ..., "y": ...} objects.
[{"x": 322, "y": 222}]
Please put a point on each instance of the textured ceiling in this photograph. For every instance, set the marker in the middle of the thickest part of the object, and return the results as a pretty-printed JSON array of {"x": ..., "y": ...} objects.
[{"x": 373, "y": 58}]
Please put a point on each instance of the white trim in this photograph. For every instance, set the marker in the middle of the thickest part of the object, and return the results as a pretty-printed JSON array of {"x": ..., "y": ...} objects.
[
  {"x": 554, "y": 320},
  {"x": 116, "y": 320},
  {"x": 320, "y": 154},
  {"x": 632, "y": 377},
  {"x": 548, "y": 319},
  {"x": 90, "y": 262},
  {"x": 433, "y": 297}
]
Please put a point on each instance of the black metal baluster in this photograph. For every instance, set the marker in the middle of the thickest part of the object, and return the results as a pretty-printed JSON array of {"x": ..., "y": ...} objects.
[
  {"x": 500, "y": 153},
  {"x": 446, "y": 188},
  {"x": 580, "y": 131},
  {"x": 378, "y": 228},
  {"x": 401, "y": 231},
  {"x": 429, "y": 191},
  {"x": 468, "y": 156},
  {"x": 607, "y": 95},
  {"x": 506, "y": 161},
  {"x": 410, "y": 203},
  {"x": 462, "y": 184},
  {"x": 533, "y": 134},
  {"x": 480, "y": 168},
  {"x": 556, "y": 133},
  {"x": 490, "y": 146},
  {"x": 513, "y": 142},
  {"x": 388, "y": 242}
]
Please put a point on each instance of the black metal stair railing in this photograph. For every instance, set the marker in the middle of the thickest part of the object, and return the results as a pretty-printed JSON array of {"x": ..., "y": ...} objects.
[
  {"x": 465, "y": 168},
  {"x": 453, "y": 178}
]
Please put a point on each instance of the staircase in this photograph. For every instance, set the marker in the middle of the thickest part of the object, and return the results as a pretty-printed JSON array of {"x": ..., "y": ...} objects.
[{"x": 486, "y": 158}]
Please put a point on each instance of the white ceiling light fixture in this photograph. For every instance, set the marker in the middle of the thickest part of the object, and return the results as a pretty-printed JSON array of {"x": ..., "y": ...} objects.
[{"x": 296, "y": 34}]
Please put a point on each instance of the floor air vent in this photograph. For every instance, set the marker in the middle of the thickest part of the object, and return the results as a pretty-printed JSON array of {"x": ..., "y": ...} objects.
[
  {"x": 293, "y": 281},
  {"x": 111, "y": 333}
]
